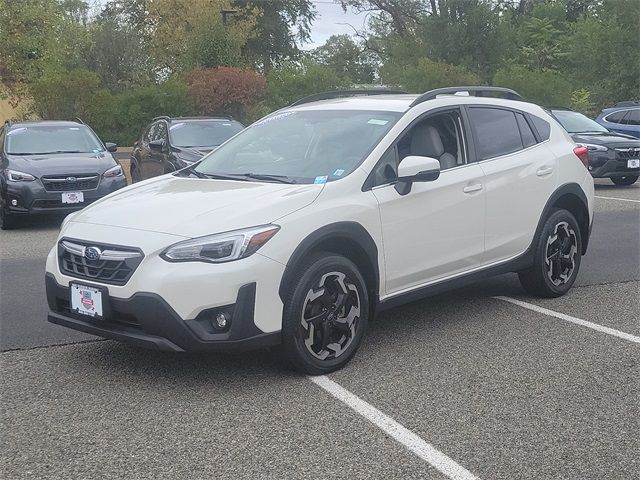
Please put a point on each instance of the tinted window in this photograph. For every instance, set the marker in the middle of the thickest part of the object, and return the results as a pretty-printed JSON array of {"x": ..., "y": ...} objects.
[
  {"x": 633, "y": 118},
  {"x": 542, "y": 126},
  {"x": 616, "y": 117},
  {"x": 528, "y": 138},
  {"x": 41, "y": 139},
  {"x": 497, "y": 132},
  {"x": 203, "y": 133}
]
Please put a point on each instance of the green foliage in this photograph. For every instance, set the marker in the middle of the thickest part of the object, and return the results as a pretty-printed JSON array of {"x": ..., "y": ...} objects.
[
  {"x": 120, "y": 117},
  {"x": 581, "y": 102},
  {"x": 348, "y": 59},
  {"x": 543, "y": 87},
  {"x": 426, "y": 74},
  {"x": 212, "y": 45},
  {"x": 63, "y": 94},
  {"x": 297, "y": 80}
]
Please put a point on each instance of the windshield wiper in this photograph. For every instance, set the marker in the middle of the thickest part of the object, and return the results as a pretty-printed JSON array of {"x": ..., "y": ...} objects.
[{"x": 274, "y": 178}]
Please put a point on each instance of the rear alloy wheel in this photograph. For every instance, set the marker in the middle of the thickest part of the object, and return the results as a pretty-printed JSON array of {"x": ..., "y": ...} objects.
[
  {"x": 557, "y": 257},
  {"x": 628, "y": 180},
  {"x": 325, "y": 315}
]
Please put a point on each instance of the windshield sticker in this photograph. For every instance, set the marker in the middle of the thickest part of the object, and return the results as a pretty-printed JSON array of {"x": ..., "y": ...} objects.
[
  {"x": 320, "y": 180},
  {"x": 338, "y": 173},
  {"x": 277, "y": 116},
  {"x": 177, "y": 126},
  {"x": 16, "y": 131},
  {"x": 375, "y": 121}
]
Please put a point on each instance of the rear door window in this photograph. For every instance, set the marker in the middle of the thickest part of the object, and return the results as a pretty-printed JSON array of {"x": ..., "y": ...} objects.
[
  {"x": 616, "y": 117},
  {"x": 496, "y": 130},
  {"x": 528, "y": 138},
  {"x": 633, "y": 118}
]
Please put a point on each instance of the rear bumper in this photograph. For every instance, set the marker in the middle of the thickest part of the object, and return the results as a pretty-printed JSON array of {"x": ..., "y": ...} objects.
[
  {"x": 33, "y": 199},
  {"x": 147, "y": 320}
]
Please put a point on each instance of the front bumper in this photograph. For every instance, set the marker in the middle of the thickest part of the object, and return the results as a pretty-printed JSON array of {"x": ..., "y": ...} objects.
[
  {"x": 608, "y": 166},
  {"x": 147, "y": 320},
  {"x": 33, "y": 199}
]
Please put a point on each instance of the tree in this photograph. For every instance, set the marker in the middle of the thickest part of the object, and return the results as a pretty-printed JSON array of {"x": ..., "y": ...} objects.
[
  {"x": 348, "y": 59},
  {"x": 427, "y": 74},
  {"x": 225, "y": 90}
]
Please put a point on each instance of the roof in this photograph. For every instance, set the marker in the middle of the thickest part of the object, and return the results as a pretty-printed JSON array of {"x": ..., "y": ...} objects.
[{"x": 45, "y": 123}]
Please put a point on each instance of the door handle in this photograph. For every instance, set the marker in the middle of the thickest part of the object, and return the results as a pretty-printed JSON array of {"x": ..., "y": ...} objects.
[
  {"x": 472, "y": 188},
  {"x": 542, "y": 171}
]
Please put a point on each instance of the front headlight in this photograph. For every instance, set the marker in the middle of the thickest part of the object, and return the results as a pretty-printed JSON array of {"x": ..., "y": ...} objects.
[
  {"x": 114, "y": 172},
  {"x": 15, "y": 176},
  {"x": 222, "y": 247},
  {"x": 593, "y": 148}
]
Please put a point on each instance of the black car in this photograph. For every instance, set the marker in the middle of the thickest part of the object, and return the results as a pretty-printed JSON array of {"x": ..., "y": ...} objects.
[
  {"x": 611, "y": 154},
  {"x": 169, "y": 144},
  {"x": 53, "y": 167}
]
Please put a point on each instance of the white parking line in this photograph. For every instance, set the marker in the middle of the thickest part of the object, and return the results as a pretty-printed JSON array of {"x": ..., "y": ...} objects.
[
  {"x": 619, "y": 199},
  {"x": 406, "y": 437},
  {"x": 568, "y": 318}
]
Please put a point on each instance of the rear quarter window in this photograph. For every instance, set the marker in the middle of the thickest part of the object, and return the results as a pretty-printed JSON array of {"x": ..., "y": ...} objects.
[
  {"x": 528, "y": 138},
  {"x": 616, "y": 117},
  {"x": 542, "y": 126}
]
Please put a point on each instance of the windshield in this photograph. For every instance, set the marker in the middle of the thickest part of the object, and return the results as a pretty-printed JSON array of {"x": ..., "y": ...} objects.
[
  {"x": 314, "y": 146},
  {"x": 203, "y": 133},
  {"x": 574, "y": 122},
  {"x": 35, "y": 140}
]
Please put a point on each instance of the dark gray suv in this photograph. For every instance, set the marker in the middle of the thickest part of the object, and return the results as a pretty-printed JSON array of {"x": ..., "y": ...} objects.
[{"x": 53, "y": 167}]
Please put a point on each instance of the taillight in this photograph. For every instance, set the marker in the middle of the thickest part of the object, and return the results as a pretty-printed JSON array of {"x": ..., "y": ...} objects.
[{"x": 583, "y": 154}]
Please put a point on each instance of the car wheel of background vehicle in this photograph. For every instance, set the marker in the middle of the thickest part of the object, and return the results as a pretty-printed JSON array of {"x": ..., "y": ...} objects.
[
  {"x": 7, "y": 221},
  {"x": 325, "y": 314},
  {"x": 557, "y": 255},
  {"x": 628, "y": 180},
  {"x": 135, "y": 174}
]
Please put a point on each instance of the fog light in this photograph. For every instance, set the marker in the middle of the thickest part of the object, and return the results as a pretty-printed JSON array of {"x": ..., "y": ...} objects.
[
  {"x": 222, "y": 320},
  {"x": 14, "y": 202}
]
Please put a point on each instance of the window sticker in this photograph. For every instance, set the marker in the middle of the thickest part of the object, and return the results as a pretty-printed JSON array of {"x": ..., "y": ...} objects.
[
  {"x": 338, "y": 172},
  {"x": 375, "y": 121},
  {"x": 277, "y": 116},
  {"x": 321, "y": 180}
]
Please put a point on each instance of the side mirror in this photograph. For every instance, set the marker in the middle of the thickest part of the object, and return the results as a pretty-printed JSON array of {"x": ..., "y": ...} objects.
[
  {"x": 416, "y": 169},
  {"x": 111, "y": 147},
  {"x": 156, "y": 146}
]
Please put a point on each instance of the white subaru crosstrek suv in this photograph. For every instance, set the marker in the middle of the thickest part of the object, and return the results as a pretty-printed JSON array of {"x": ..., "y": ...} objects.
[{"x": 298, "y": 230}]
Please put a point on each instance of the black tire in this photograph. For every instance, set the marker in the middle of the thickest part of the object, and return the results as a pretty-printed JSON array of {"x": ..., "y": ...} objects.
[
  {"x": 556, "y": 262},
  {"x": 135, "y": 173},
  {"x": 628, "y": 180},
  {"x": 341, "y": 320}
]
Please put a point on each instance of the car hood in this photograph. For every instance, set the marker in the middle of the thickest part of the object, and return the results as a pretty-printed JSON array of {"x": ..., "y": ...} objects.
[
  {"x": 62, "y": 163},
  {"x": 193, "y": 207},
  {"x": 609, "y": 139}
]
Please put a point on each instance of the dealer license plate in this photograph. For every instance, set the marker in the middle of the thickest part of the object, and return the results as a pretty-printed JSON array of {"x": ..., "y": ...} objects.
[
  {"x": 86, "y": 300},
  {"x": 635, "y": 163},
  {"x": 72, "y": 197}
]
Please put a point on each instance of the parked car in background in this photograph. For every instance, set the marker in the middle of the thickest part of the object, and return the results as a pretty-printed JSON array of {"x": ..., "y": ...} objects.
[
  {"x": 169, "y": 144},
  {"x": 299, "y": 229},
  {"x": 611, "y": 154},
  {"x": 624, "y": 117},
  {"x": 53, "y": 167}
]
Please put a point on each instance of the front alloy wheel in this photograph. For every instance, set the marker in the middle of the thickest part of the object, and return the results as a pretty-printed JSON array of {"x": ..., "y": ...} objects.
[
  {"x": 325, "y": 314},
  {"x": 562, "y": 247}
]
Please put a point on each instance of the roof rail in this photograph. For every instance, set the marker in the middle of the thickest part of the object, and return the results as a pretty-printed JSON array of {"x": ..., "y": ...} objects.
[
  {"x": 626, "y": 104},
  {"x": 79, "y": 120},
  {"x": 344, "y": 93},
  {"x": 476, "y": 91},
  {"x": 161, "y": 117}
]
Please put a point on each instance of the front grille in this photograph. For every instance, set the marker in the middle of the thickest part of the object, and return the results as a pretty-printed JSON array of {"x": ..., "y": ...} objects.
[
  {"x": 70, "y": 183},
  {"x": 627, "y": 153},
  {"x": 113, "y": 265}
]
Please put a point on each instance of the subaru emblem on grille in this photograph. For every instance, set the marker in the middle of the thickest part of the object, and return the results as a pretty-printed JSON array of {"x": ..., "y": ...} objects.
[
  {"x": 92, "y": 253},
  {"x": 72, "y": 179}
]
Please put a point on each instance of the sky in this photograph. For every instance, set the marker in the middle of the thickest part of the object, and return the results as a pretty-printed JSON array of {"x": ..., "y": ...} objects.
[{"x": 331, "y": 20}]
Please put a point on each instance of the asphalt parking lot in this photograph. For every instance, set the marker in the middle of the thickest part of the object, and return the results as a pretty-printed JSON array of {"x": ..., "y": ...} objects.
[{"x": 464, "y": 385}]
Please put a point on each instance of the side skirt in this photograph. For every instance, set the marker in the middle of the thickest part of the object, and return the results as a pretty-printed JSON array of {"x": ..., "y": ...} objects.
[{"x": 519, "y": 263}]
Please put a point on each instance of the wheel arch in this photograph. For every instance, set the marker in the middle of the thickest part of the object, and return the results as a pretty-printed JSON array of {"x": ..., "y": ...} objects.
[
  {"x": 349, "y": 239},
  {"x": 572, "y": 198}
]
